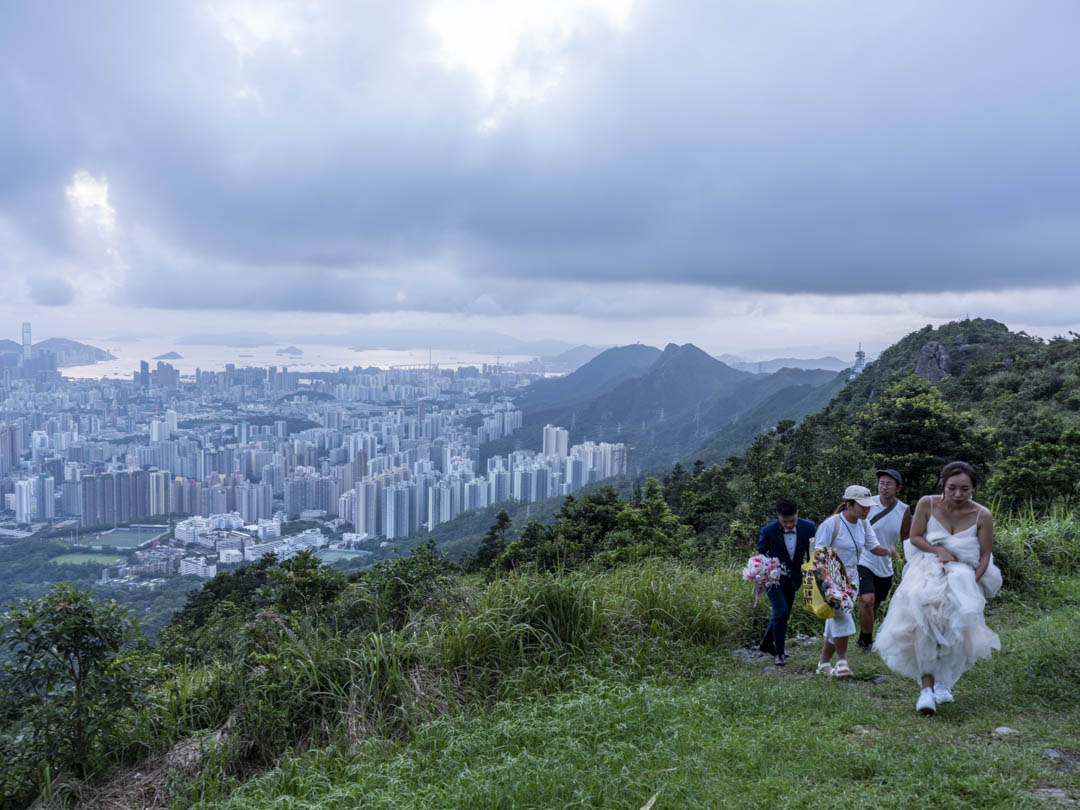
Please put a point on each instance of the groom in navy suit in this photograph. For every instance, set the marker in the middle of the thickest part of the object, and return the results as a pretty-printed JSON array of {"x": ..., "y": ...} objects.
[{"x": 788, "y": 539}]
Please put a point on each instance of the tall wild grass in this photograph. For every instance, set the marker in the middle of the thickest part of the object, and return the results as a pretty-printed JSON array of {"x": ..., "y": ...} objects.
[
  {"x": 1035, "y": 548},
  {"x": 380, "y": 662}
]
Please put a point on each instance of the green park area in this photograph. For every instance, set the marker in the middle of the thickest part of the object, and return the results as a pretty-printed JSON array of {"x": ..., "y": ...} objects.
[
  {"x": 80, "y": 559},
  {"x": 332, "y": 555},
  {"x": 127, "y": 537}
]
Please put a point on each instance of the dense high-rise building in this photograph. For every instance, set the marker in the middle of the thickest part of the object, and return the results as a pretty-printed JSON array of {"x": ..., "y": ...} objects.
[
  {"x": 365, "y": 518},
  {"x": 159, "y": 492},
  {"x": 346, "y": 509},
  {"x": 556, "y": 441},
  {"x": 396, "y": 509},
  {"x": 71, "y": 498},
  {"x": 574, "y": 473},
  {"x": 99, "y": 500},
  {"x": 8, "y": 456},
  {"x": 44, "y": 497},
  {"x": 443, "y": 504},
  {"x": 254, "y": 502},
  {"x": 27, "y": 345},
  {"x": 500, "y": 486},
  {"x": 24, "y": 501}
]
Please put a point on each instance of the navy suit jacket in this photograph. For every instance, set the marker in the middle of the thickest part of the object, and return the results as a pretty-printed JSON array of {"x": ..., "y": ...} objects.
[{"x": 771, "y": 543}]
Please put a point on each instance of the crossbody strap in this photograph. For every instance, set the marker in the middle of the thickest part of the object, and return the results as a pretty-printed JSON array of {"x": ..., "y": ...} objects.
[
  {"x": 858, "y": 556},
  {"x": 882, "y": 513}
]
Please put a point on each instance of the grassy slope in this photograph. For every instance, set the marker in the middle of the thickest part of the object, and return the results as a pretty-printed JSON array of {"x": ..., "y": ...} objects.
[{"x": 703, "y": 729}]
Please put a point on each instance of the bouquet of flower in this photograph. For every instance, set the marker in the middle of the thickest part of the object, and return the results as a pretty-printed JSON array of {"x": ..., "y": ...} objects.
[
  {"x": 764, "y": 572},
  {"x": 832, "y": 578}
]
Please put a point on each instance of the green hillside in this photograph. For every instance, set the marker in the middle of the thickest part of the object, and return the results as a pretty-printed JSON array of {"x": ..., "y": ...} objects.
[
  {"x": 793, "y": 402},
  {"x": 597, "y": 658},
  {"x": 644, "y": 409},
  {"x": 681, "y": 401},
  {"x": 731, "y": 421},
  {"x": 602, "y": 373},
  {"x": 680, "y": 379},
  {"x": 408, "y": 686}
]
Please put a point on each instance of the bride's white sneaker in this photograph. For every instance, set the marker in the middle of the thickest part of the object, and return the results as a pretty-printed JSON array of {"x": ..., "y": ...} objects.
[
  {"x": 942, "y": 695},
  {"x": 926, "y": 703}
]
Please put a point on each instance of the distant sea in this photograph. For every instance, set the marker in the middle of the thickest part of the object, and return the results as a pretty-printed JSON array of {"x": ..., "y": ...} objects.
[{"x": 315, "y": 357}]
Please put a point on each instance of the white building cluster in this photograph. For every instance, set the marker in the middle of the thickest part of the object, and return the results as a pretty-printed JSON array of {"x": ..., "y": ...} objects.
[
  {"x": 402, "y": 499},
  {"x": 34, "y": 499},
  {"x": 231, "y": 540},
  {"x": 234, "y": 453},
  {"x": 197, "y": 566}
]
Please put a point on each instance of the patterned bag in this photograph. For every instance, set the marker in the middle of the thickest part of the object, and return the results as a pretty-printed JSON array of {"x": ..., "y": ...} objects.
[{"x": 813, "y": 600}]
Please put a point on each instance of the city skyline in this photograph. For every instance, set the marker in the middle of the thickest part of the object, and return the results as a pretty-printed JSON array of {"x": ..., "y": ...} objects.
[{"x": 739, "y": 176}]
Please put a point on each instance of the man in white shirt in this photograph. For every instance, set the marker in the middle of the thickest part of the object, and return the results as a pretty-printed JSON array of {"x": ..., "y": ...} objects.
[{"x": 891, "y": 519}]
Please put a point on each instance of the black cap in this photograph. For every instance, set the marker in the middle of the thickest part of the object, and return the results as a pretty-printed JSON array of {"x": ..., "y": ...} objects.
[{"x": 892, "y": 474}]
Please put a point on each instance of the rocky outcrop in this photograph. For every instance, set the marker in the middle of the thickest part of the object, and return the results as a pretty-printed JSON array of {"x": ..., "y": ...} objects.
[{"x": 934, "y": 362}]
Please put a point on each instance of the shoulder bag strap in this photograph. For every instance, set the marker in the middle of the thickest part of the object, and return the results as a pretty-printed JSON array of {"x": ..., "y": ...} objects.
[
  {"x": 851, "y": 534},
  {"x": 883, "y": 513}
]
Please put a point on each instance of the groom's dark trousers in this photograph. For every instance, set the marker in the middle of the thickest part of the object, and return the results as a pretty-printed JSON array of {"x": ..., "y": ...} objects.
[{"x": 771, "y": 543}]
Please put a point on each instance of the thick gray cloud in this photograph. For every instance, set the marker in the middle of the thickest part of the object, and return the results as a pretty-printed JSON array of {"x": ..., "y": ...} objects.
[
  {"x": 828, "y": 147},
  {"x": 50, "y": 291}
]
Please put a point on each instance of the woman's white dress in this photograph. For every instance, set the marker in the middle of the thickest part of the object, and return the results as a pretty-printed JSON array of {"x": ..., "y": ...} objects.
[
  {"x": 935, "y": 621},
  {"x": 850, "y": 544}
]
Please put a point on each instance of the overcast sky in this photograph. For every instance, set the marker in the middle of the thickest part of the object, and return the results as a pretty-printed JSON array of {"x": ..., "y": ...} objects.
[{"x": 748, "y": 175}]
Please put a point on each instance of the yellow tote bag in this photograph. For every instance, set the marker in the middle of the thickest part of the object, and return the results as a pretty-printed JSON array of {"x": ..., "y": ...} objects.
[{"x": 813, "y": 601}]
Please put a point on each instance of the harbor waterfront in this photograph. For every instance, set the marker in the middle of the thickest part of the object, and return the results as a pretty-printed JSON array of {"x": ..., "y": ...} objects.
[{"x": 311, "y": 357}]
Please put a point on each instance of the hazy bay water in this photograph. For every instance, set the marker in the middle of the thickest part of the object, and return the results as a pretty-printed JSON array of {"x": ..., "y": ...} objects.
[{"x": 315, "y": 357}]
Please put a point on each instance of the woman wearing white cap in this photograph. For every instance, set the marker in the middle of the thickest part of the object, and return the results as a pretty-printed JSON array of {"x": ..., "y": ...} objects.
[{"x": 849, "y": 535}]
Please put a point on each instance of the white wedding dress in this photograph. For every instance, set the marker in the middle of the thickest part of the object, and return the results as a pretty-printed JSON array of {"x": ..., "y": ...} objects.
[{"x": 935, "y": 621}]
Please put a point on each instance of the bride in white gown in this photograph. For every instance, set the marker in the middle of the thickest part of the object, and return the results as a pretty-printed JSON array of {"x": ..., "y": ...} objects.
[{"x": 934, "y": 630}]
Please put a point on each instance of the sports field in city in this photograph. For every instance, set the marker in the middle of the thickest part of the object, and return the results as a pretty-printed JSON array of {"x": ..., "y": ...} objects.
[
  {"x": 124, "y": 537},
  {"x": 333, "y": 555},
  {"x": 80, "y": 559}
]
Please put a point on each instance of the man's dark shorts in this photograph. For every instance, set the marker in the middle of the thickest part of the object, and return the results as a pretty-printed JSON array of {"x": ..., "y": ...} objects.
[{"x": 869, "y": 582}]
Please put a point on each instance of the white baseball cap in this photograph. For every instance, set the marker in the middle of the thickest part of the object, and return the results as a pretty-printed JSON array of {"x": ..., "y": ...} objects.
[{"x": 861, "y": 495}]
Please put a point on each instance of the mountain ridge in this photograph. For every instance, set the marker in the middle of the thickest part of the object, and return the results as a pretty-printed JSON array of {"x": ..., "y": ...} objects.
[
  {"x": 829, "y": 363},
  {"x": 607, "y": 369}
]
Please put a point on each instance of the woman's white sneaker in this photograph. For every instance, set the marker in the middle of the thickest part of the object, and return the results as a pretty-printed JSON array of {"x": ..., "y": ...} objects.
[
  {"x": 926, "y": 703},
  {"x": 942, "y": 695}
]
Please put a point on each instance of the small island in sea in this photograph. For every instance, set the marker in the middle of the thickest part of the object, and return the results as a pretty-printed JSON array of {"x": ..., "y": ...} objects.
[
  {"x": 291, "y": 351},
  {"x": 169, "y": 356}
]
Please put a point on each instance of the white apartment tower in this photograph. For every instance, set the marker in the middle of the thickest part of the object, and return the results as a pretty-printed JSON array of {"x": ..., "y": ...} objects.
[
  {"x": 24, "y": 501},
  {"x": 556, "y": 441}
]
